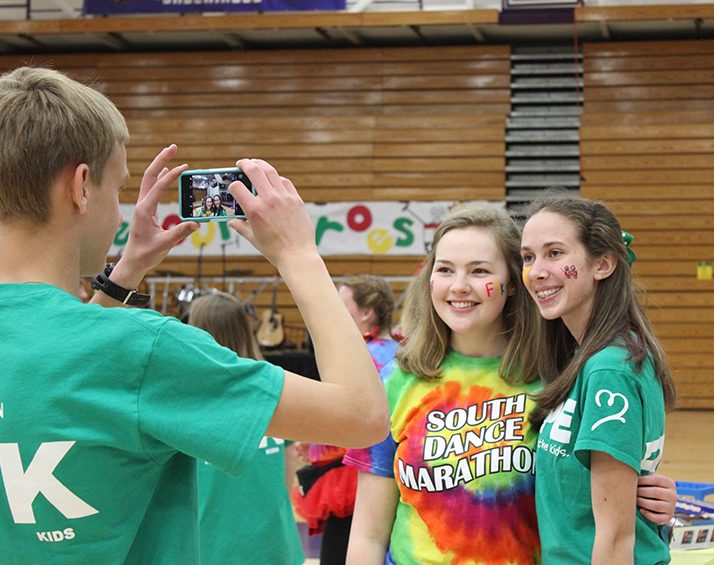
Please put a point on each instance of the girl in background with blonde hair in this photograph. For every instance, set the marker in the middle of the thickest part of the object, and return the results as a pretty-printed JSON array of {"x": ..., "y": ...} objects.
[{"x": 247, "y": 518}]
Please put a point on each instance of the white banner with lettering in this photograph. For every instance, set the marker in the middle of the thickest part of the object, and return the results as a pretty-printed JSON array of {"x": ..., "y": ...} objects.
[{"x": 341, "y": 228}]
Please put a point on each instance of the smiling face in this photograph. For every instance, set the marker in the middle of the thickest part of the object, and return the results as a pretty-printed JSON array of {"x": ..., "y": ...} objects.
[
  {"x": 216, "y": 201},
  {"x": 208, "y": 203},
  {"x": 558, "y": 271},
  {"x": 469, "y": 283}
]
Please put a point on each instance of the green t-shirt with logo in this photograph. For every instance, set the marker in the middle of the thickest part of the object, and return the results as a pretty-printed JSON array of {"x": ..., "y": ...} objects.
[
  {"x": 248, "y": 518},
  {"x": 103, "y": 413},
  {"x": 612, "y": 409}
]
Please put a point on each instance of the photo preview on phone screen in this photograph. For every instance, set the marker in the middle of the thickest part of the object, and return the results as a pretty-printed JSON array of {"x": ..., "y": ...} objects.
[{"x": 204, "y": 194}]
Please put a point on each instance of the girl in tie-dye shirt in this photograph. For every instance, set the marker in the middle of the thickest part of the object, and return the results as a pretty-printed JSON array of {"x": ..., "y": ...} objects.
[
  {"x": 454, "y": 483},
  {"x": 457, "y": 484}
]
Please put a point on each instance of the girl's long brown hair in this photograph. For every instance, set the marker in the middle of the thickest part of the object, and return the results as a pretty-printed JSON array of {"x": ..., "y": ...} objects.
[
  {"x": 429, "y": 337},
  {"x": 224, "y": 317},
  {"x": 617, "y": 313}
]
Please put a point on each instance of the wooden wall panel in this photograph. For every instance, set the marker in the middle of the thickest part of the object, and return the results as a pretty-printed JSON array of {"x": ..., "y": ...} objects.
[
  {"x": 344, "y": 124},
  {"x": 647, "y": 145}
]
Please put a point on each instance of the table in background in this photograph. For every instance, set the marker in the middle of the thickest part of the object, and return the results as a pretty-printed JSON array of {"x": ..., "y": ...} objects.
[{"x": 692, "y": 557}]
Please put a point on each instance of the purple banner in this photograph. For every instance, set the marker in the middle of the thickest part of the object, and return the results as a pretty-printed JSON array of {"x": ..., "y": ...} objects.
[{"x": 159, "y": 6}]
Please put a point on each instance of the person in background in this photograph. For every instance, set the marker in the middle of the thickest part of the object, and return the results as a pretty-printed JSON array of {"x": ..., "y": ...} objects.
[
  {"x": 248, "y": 515},
  {"x": 370, "y": 302},
  {"x": 327, "y": 495},
  {"x": 357, "y": 292}
]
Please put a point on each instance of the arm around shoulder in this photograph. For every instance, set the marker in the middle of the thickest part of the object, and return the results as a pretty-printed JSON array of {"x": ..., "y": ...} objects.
[{"x": 657, "y": 498}]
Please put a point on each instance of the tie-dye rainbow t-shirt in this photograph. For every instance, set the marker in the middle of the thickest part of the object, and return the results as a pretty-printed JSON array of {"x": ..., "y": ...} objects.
[
  {"x": 382, "y": 352},
  {"x": 464, "y": 465}
]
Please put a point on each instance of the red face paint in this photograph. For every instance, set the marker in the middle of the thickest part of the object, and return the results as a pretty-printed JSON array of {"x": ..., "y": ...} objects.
[
  {"x": 570, "y": 272},
  {"x": 489, "y": 288}
]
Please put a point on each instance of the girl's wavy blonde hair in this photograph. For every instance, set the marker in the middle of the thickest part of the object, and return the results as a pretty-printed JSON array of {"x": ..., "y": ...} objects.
[{"x": 429, "y": 337}]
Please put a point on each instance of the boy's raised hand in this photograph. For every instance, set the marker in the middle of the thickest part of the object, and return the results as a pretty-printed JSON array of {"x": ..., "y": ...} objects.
[
  {"x": 149, "y": 243},
  {"x": 348, "y": 407},
  {"x": 278, "y": 224}
]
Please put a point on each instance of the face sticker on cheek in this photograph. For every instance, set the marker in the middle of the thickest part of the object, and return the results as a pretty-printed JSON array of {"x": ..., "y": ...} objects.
[
  {"x": 431, "y": 285},
  {"x": 526, "y": 270},
  {"x": 570, "y": 272}
]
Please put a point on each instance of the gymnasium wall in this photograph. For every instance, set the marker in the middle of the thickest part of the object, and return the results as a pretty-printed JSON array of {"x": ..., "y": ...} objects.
[
  {"x": 343, "y": 125},
  {"x": 647, "y": 149},
  {"x": 428, "y": 124}
]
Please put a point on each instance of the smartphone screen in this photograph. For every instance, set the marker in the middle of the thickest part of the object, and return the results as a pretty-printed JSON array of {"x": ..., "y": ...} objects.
[{"x": 204, "y": 195}]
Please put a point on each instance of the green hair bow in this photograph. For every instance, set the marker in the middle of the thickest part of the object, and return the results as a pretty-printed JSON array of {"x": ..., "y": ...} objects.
[{"x": 631, "y": 257}]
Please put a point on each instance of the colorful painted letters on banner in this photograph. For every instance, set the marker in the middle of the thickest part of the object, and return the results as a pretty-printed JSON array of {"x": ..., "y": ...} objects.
[{"x": 343, "y": 228}]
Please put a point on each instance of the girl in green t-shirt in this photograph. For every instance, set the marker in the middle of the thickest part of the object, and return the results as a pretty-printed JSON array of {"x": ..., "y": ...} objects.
[
  {"x": 218, "y": 209},
  {"x": 606, "y": 386}
]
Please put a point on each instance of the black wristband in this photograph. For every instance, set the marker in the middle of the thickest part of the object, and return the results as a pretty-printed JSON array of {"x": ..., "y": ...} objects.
[{"x": 130, "y": 297}]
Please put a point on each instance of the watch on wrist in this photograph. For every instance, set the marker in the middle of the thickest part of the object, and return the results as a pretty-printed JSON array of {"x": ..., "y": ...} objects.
[{"x": 130, "y": 297}]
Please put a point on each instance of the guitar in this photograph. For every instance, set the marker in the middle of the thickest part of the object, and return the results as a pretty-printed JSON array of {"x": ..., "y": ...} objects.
[
  {"x": 248, "y": 306},
  {"x": 271, "y": 332}
]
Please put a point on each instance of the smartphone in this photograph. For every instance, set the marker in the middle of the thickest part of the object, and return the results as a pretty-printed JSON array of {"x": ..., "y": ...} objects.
[{"x": 204, "y": 195}]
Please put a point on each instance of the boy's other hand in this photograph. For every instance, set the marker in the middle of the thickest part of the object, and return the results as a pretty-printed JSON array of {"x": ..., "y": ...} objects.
[
  {"x": 277, "y": 221},
  {"x": 149, "y": 243}
]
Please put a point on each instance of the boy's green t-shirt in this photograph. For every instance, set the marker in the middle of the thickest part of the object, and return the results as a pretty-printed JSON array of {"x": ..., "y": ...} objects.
[
  {"x": 103, "y": 412},
  {"x": 249, "y": 518},
  {"x": 613, "y": 409}
]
